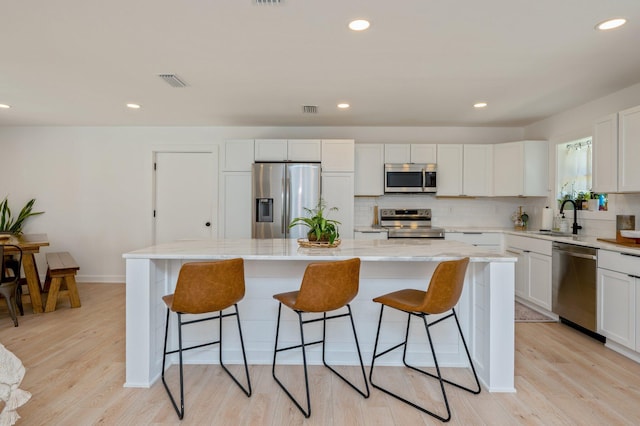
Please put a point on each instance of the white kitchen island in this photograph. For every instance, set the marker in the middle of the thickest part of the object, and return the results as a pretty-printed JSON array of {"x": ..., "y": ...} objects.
[{"x": 485, "y": 309}]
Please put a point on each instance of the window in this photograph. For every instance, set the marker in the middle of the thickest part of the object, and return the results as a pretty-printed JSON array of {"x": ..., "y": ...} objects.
[{"x": 574, "y": 175}]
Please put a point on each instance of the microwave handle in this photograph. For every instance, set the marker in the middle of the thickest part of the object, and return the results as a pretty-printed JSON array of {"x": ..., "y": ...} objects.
[{"x": 424, "y": 180}]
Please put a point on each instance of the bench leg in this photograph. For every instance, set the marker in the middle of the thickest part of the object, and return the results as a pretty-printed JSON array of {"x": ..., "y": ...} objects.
[
  {"x": 52, "y": 298},
  {"x": 74, "y": 296}
]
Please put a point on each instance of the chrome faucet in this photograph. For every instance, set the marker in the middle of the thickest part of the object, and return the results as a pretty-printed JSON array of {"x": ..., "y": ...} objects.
[{"x": 575, "y": 225}]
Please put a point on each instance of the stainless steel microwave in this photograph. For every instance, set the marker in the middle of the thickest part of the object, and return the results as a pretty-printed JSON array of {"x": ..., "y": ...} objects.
[{"x": 409, "y": 178}]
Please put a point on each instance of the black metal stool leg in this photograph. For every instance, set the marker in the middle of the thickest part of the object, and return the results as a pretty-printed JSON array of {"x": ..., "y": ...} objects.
[
  {"x": 366, "y": 393},
  {"x": 246, "y": 390},
  {"x": 306, "y": 412},
  {"x": 179, "y": 411}
]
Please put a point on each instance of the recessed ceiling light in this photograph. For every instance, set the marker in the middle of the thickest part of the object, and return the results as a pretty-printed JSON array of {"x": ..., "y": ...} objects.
[
  {"x": 610, "y": 24},
  {"x": 359, "y": 25},
  {"x": 133, "y": 106},
  {"x": 480, "y": 105},
  {"x": 343, "y": 106},
  {"x": 5, "y": 106}
]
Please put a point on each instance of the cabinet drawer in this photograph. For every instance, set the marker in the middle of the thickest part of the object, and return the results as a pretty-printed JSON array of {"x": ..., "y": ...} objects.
[
  {"x": 529, "y": 244},
  {"x": 625, "y": 262}
]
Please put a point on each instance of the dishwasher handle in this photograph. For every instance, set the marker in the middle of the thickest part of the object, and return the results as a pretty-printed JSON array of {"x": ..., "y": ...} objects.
[{"x": 580, "y": 255}]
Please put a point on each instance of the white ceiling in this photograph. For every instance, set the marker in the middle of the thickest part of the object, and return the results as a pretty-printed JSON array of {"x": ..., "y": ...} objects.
[{"x": 422, "y": 62}]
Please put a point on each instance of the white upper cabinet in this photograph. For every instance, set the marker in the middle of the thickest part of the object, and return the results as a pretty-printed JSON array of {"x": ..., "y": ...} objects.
[
  {"x": 238, "y": 155},
  {"x": 338, "y": 155},
  {"x": 477, "y": 174},
  {"x": 424, "y": 153},
  {"x": 521, "y": 169},
  {"x": 465, "y": 170},
  {"x": 629, "y": 150},
  {"x": 369, "y": 176},
  {"x": 449, "y": 170},
  {"x": 287, "y": 150},
  {"x": 304, "y": 150},
  {"x": 410, "y": 153},
  {"x": 605, "y": 154}
]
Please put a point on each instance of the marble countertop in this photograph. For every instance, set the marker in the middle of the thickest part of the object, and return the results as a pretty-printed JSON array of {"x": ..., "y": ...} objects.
[{"x": 413, "y": 250}]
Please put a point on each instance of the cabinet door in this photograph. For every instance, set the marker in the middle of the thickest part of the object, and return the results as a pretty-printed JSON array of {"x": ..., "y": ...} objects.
[
  {"x": 535, "y": 166},
  {"x": 270, "y": 150},
  {"x": 338, "y": 155},
  {"x": 521, "y": 268},
  {"x": 477, "y": 175},
  {"x": 539, "y": 277},
  {"x": 304, "y": 150},
  {"x": 604, "y": 172},
  {"x": 369, "y": 175},
  {"x": 616, "y": 307},
  {"x": 424, "y": 153},
  {"x": 508, "y": 177},
  {"x": 237, "y": 205},
  {"x": 449, "y": 177},
  {"x": 238, "y": 155},
  {"x": 398, "y": 153},
  {"x": 337, "y": 191},
  {"x": 629, "y": 150}
]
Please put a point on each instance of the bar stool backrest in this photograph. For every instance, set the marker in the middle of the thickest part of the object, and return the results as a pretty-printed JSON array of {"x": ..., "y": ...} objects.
[
  {"x": 10, "y": 263},
  {"x": 209, "y": 286},
  {"x": 445, "y": 286},
  {"x": 328, "y": 286}
]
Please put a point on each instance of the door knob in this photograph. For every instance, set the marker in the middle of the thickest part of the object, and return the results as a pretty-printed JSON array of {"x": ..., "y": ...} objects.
[{"x": 207, "y": 224}]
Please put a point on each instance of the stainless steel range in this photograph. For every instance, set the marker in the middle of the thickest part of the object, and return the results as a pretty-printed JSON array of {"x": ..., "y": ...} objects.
[{"x": 409, "y": 223}]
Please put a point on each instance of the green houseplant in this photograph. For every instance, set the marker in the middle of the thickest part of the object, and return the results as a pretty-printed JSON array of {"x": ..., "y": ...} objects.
[
  {"x": 9, "y": 224},
  {"x": 321, "y": 229}
]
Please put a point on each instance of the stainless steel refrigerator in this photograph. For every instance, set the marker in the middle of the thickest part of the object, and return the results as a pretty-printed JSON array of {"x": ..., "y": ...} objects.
[{"x": 280, "y": 193}]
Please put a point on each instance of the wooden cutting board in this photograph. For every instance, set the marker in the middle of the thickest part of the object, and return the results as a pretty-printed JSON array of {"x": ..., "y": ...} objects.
[{"x": 630, "y": 243}]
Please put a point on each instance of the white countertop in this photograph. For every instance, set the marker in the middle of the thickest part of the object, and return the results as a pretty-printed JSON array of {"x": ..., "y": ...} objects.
[{"x": 413, "y": 250}]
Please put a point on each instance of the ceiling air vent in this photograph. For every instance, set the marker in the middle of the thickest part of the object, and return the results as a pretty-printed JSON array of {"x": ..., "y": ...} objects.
[
  {"x": 268, "y": 1},
  {"x": 172, "y": 80},
  {"x": 310, "y": 109}
]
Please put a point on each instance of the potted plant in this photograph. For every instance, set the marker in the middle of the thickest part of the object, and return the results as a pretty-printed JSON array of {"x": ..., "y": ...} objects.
[
  {"x": 11, "y": 225},
  {"x": 321, "y": 229}
]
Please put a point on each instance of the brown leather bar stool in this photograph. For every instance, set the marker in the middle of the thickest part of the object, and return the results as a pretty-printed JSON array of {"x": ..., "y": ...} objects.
[
  {"x": 205, "y": 287},
  {"x": 325, "y": 287},
  {"x": 441, "y": 296}
]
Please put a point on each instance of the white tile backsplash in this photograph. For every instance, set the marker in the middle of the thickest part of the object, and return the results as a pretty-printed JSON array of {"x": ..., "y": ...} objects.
[{"x": 497, "y": 212}]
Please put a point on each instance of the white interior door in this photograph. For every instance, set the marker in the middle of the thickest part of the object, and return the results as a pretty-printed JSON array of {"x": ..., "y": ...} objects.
[{"x": 185, "y": 195}]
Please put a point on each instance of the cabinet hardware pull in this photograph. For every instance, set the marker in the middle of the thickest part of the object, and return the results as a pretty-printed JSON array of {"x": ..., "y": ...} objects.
[{"x": 630, "y": 254}]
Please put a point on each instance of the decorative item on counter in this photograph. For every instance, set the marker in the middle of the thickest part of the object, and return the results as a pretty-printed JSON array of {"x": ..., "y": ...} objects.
[
  {"x": 323, "y": 232},
  {"x": 520, "y": 219},
  {"x": 624, "y": 223},
  {"x": 376, "y": 221}
]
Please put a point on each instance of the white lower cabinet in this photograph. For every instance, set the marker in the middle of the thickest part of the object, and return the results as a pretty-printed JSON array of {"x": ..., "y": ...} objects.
[
  {"x": 533, "y": 269},
  {"x": 618, "y": 298}
]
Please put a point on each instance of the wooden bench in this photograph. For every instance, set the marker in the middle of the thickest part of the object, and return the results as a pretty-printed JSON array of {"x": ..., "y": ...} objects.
[{"x": 62, "y": 269}]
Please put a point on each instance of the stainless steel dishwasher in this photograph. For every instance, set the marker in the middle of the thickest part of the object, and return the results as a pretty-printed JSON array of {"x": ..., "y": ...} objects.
[{"x": 574, "y": 276}]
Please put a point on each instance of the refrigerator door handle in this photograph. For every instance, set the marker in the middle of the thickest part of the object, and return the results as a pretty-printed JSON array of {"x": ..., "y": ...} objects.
[{"x": 287, "y": 201}]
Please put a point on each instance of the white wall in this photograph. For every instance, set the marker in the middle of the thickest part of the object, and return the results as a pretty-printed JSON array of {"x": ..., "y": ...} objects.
[
  {"x": 577, "y": 123},
  {"x": 95, "y": 183}
]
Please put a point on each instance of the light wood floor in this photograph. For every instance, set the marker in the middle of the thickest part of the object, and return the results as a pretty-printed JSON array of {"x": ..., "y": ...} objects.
[{"x": 75, "y": 371}]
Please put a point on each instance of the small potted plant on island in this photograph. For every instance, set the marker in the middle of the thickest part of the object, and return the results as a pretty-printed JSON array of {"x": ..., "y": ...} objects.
[{"x": 323, "y": 232}]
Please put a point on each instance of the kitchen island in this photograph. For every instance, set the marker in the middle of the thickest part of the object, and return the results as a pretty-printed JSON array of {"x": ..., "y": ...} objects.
[{"x": 485, "y": 309}]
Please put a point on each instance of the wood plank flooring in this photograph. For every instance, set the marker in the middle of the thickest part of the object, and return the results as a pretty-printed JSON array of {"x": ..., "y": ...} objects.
[{"x": 75, "y": 371}]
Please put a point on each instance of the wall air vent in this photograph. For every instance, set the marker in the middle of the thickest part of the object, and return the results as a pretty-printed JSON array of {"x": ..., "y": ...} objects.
[
  {"x": 309, "y": 109},
  {"x": 172, "y": 80},
  {"x": 268, "y": 1}
]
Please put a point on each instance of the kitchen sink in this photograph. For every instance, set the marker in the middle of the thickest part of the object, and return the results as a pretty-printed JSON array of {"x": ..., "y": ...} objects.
[{"x": 553, "y": 233}]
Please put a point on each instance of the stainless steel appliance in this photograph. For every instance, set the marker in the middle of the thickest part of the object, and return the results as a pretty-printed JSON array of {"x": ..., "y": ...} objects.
[
  {"x": 409, "y": 223},
  {"x": 574, "y": 276},
  {"x": 280, "y": 193},
  {"x": 409, "y": 178}
]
